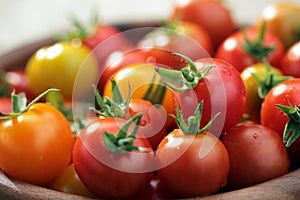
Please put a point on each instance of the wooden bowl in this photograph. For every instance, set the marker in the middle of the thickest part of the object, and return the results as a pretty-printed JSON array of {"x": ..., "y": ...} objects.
[{"x": 286, "y": 187}]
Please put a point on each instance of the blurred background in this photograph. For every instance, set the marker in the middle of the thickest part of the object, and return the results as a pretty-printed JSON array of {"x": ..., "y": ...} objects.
[{"x": 26, "y": 21}]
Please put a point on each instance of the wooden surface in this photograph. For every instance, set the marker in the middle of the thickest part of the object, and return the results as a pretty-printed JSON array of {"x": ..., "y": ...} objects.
[{"x": 286, "y": 187}]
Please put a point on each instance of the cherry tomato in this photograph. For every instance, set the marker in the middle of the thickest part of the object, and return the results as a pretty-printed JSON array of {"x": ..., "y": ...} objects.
[
  {"x": 221, "y": 88},
  {"x": 140, "y": 78},
  {"x": 152, "y": 122},
  {"x": 68, "y": 181},
  {"x": 253, "y": 100},
  {"x": 232, "y": 49},
  {"x": 290, "y": 62},
  {"x": 211, "y": 15},
  {"x": 58, "y": 65},
  {"x": 107, "y": 173},
  {"x": 18, "y": 82},
  {"x": 5, "y": 105},
  {"x": 286, "y": 93},
  {"x": 153, "y": 191},
  {"x": 183, "y": 37},
  {"x": 105, "y": 40},
  {"x": 116, "y": 61},
  {"x": 36, "y": 145},
  {"x": 201, "y": 159},
  {"x": 283, "y": 19},
  {"x": 256, "y": 154}
]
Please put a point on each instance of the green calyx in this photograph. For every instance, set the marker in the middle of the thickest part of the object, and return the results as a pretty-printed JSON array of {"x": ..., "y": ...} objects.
[
  {"x": 266, "y": 84},
  {"x": 4, "y": 85},
  {"x": 19, "y": 104},
  {"x": 114, "y": 107},
  {"x": 187, "y": 78},
  {"x": 256, "y": 48},
  {"x": 292, "y": 127},
  {"x": 122, "y": 142},
  {"x": 193, "y": 123},
  {"x": 80, "y": 30},
  {"x": 56, "y": 99}
]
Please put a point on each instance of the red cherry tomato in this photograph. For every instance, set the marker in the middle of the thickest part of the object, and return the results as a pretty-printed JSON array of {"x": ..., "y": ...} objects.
[
  {"x": 256, "y": 154},
  {"x": 232, "y": 49},
  {"x": 201, "y": 159},
  {"x": 211, "y": 15},
  {"x": 221, "y": 88},
  {"x": 110, "y": 174},
  {"x": 105, "y": 40},
  {"x": 152, "y": 122},
  {"x": 183, "y": 37},
  {"x": 286, "y": 93},
  {"x": 290, "y": 62}
]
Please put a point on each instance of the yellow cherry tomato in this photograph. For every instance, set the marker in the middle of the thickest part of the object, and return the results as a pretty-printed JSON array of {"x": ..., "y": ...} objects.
[
  {"x": 253, "y": 101},
  {"x": 57, "y": 66},
  {"x": 283, "y": 19},
  {"x": 69, "y": 182}
]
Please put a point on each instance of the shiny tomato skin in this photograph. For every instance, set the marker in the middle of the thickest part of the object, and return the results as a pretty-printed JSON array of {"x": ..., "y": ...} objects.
[
  {"x": 232, "y": 50},
  {"x": 151, "y": 123},
  {"x": 36, "y": 145},
  {"x": 183, "y": 37},
  {"x": 60, "y": 66},
  {"x": 290, "y": 61},
  {"x": 186, "y": 159},
  {"x": 107, "y": 174},
  {"x": 253, "y": 101},
  {"x": 286, "y": 93},
  {"x": 256, "y": 154},
  {"x": 211, "y": 15},
  {"x": 68, "y": 182},
  {"x": 221, "y": 89},
  {"x": 283, "y": 19}
]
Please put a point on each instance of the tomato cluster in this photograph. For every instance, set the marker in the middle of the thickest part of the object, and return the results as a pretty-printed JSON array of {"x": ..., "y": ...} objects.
[{"x": 185, "y": 110}]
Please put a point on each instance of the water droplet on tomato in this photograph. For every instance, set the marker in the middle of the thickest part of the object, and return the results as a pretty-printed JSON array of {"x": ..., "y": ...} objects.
[
  {"x": 226, "y": 70},
  {"x": 292, "y": 90},
  {"x": 255, "y": 135},
  {"x": 151, "y": 60}
]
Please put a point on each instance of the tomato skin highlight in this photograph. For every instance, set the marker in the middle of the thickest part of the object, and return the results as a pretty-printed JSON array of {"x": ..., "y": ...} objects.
[
  {"x": 201, "y": 159},
  {"x": 118, "y": 178},
  {"x": 36, "y": 145},
  {"x": 256, "y": 154}
]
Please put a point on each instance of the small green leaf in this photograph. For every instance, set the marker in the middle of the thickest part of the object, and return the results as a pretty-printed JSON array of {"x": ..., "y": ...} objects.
[{"x": 292, "y": 127}]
